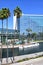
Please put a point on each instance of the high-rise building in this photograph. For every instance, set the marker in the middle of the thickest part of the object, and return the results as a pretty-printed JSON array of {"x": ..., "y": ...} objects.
[{"x": 26, "y": 21}]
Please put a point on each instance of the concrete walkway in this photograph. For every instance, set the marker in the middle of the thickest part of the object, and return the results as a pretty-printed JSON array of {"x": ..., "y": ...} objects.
[
  {"x": 16, "y": 58},
  {"x": 37, "y": 61}
]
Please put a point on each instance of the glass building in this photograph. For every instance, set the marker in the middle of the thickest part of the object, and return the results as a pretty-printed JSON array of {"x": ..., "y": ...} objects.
[{"x": 34, "y": 22}]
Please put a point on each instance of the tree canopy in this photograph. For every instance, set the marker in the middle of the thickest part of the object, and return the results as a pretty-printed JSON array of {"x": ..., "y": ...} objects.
[
  {"x": 17, "y": 12},
  {"x": 4, "y": 13}
]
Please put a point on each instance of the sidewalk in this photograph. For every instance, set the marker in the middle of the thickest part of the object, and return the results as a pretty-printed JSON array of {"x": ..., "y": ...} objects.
[
  {"x": 37, "y": 61},
  {"x": 16, "y": 58}
]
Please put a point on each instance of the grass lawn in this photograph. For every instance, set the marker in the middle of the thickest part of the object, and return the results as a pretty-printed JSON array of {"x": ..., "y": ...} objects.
[{"x": 38, "y": 41}]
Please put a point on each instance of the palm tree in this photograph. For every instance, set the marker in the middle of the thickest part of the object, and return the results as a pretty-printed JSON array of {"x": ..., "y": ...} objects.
[
  {"x": 7, "y": 14},
  {"x": 29, "y": 34},
  {"x": 17, "y": 13},
  {"x": 34, "y": 35},
  {"x": 4, "y": 14},
  {"x": 28, "y": 30},
  {"x": 2, "y": 17}
]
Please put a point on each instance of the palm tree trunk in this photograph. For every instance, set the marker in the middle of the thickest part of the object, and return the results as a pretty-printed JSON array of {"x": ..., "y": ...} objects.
[
  {"x": 7, "y": 38},
  {"x": 2, "y": 41}
]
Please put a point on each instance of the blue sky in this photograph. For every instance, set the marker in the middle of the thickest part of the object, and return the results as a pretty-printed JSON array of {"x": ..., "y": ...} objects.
[{"x": 27, "y": 7}]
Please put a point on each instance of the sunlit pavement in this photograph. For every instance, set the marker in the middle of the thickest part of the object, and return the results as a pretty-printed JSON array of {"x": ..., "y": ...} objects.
[
  {"x": 17, "y": 58},
  {"x": 37, "y": 61}
]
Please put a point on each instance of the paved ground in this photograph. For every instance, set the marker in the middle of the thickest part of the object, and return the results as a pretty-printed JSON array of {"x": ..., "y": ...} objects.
[
  {"x": 16, "y": 58},
  {"x": 38, "y": 61}
]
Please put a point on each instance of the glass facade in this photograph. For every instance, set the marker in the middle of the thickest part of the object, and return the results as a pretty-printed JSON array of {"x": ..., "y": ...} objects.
[
  {"x": 34, "y": 22},
  {"x": 31, "y": 22}
]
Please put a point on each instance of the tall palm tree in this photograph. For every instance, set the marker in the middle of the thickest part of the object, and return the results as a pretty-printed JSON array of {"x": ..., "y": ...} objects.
[
  {"x": 1, "y": 18},
  {"x": 17, "y": 13},
  {"x": 6, "y": 15}
]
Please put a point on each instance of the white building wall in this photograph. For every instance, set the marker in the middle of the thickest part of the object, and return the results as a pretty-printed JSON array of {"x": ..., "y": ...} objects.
[{"x": 15, "y": 27}]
